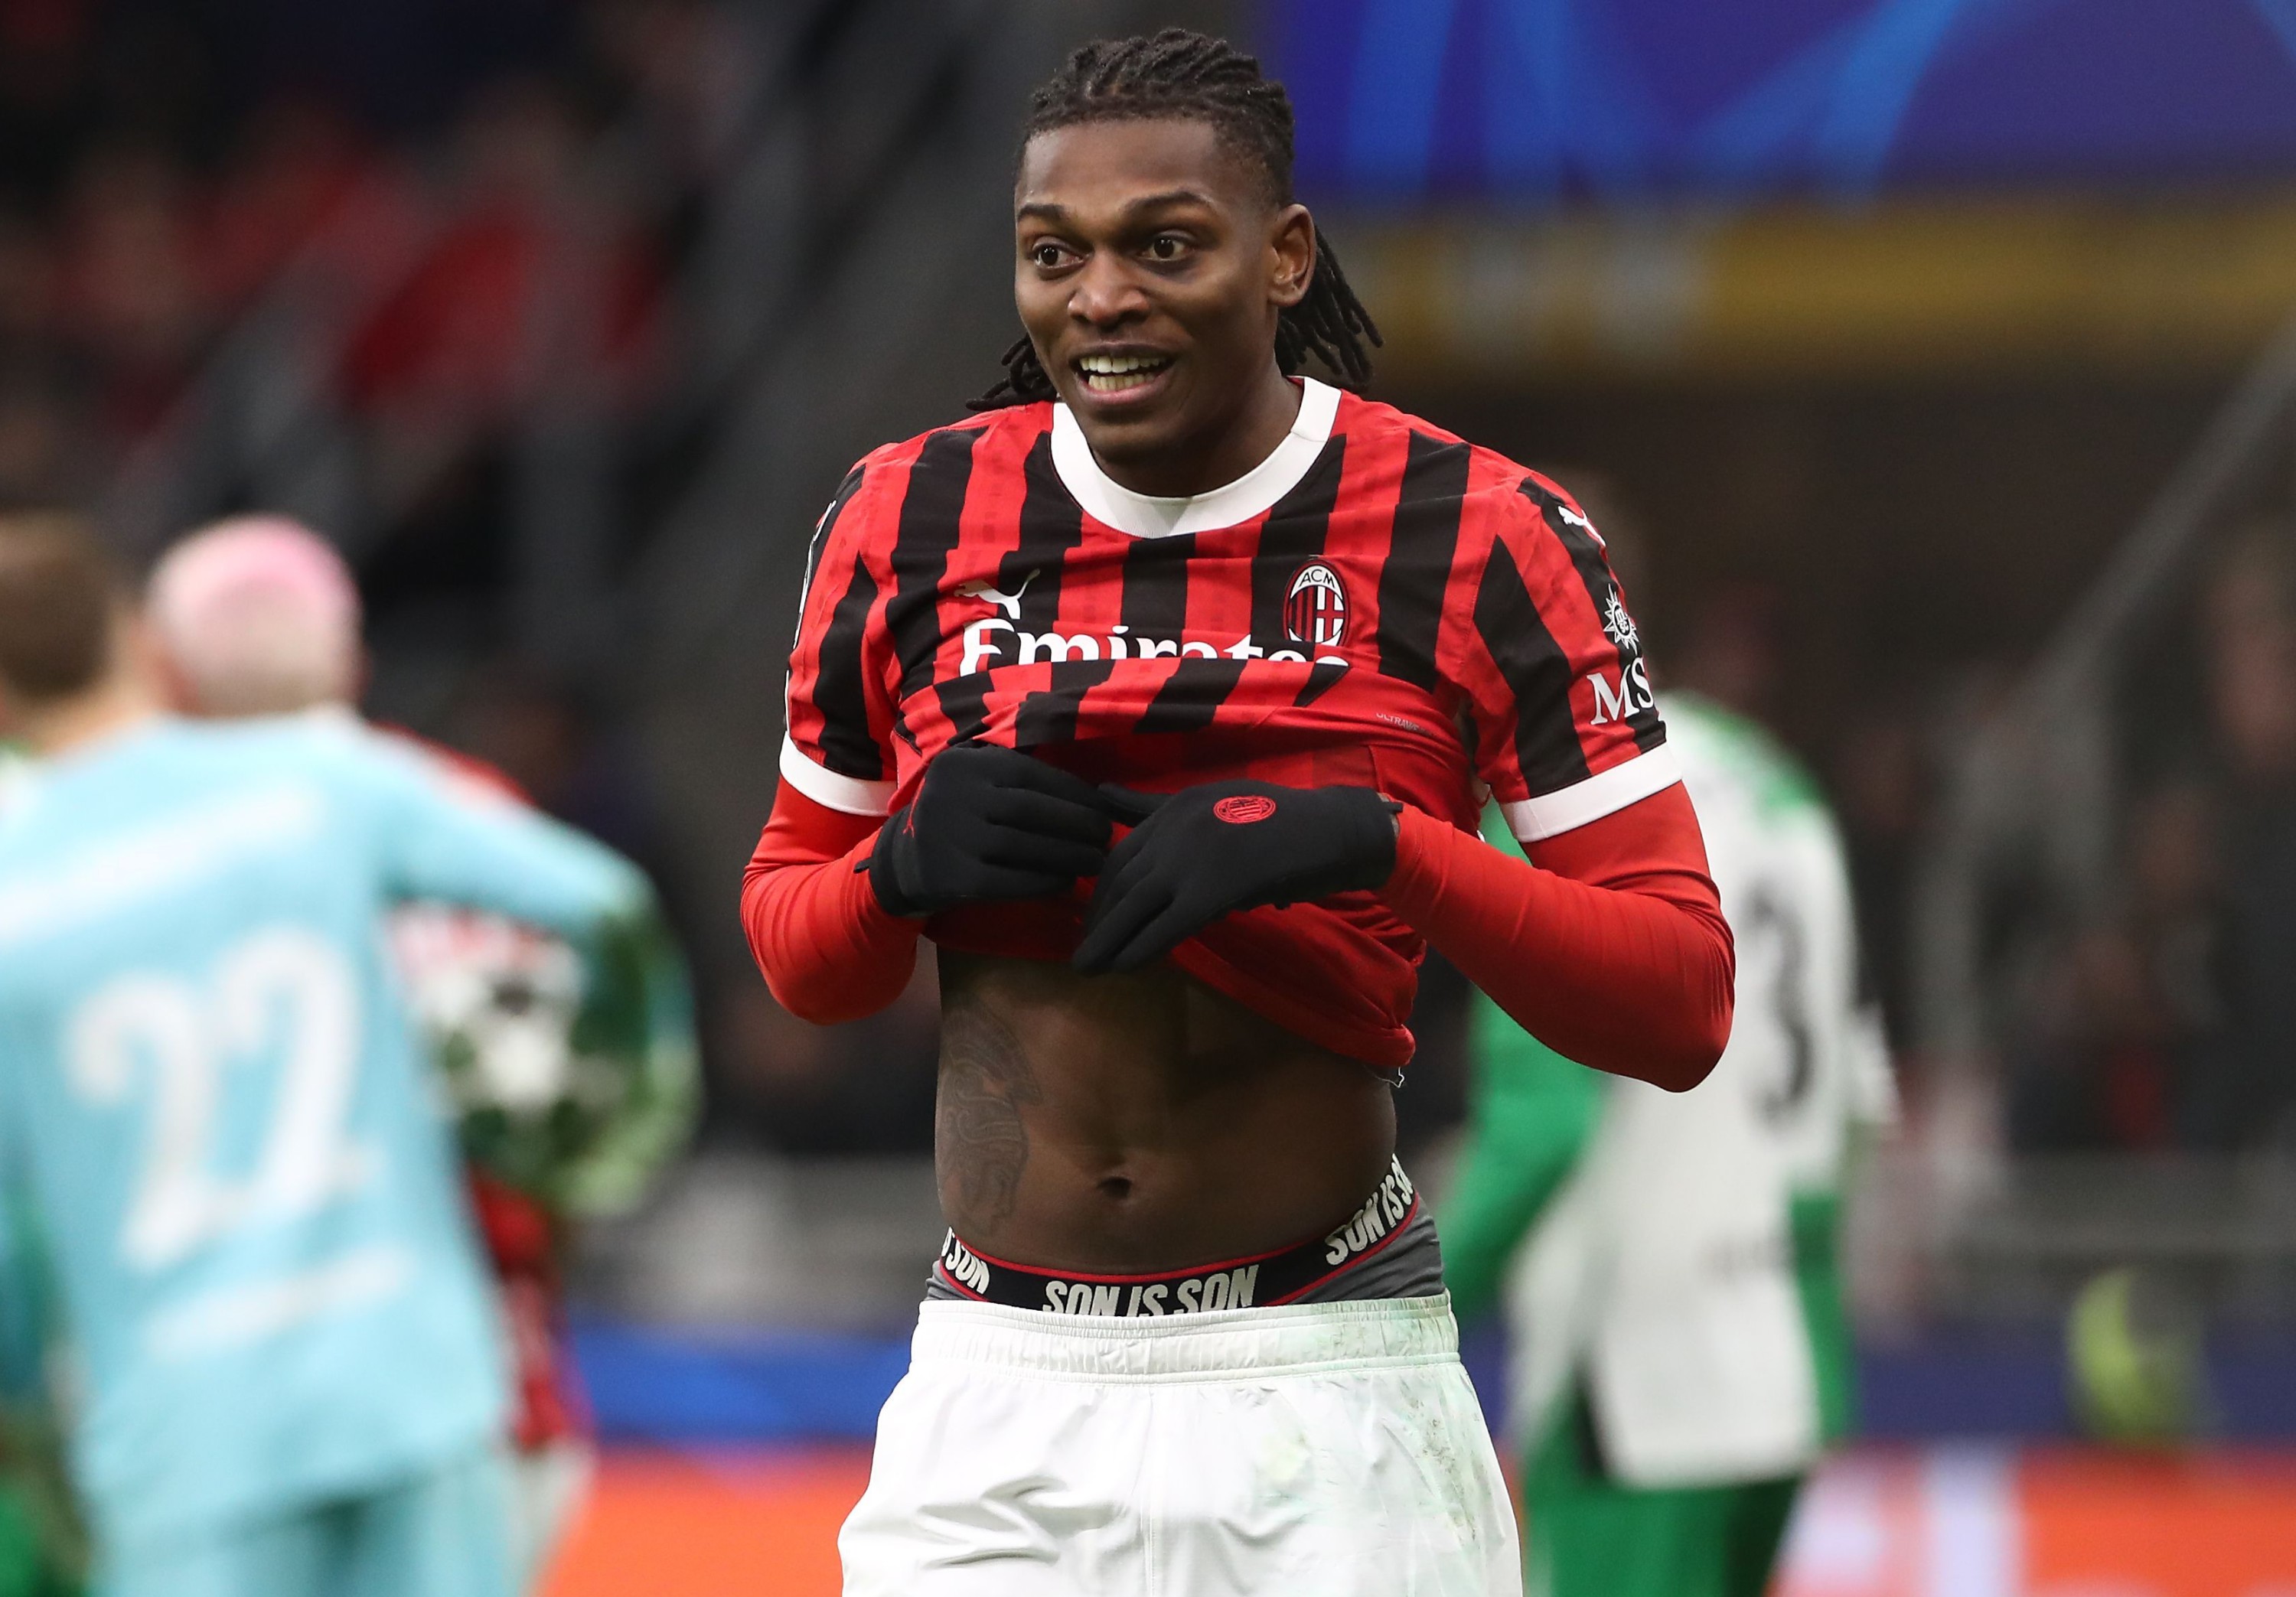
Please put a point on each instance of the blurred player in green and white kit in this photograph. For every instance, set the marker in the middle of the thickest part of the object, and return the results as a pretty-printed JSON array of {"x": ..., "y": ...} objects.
[
  {"x": 575, "y": 1077},
  {"x": 1680, "y": 1355}
]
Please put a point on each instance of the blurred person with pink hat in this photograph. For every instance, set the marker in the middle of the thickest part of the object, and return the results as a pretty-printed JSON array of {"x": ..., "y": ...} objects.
[{"x": 256, "y": 616}]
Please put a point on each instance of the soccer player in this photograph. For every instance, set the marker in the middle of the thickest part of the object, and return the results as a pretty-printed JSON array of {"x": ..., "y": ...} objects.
[
  {"x": 292, "y": 1377},
  {"x": 575, "y": 1079},
  {"x": 1188, "y": 1333},
  {"x": 1680, "y": 1352}
]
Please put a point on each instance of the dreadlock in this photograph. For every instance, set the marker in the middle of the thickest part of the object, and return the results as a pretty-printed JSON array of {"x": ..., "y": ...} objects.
[{"x": 1183, "y": 76}]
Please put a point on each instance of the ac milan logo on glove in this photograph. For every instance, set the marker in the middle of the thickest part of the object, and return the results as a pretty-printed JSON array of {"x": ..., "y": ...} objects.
[
  {"x": 1315, "y": 610},
  {"x": 1244, "y": 808}
]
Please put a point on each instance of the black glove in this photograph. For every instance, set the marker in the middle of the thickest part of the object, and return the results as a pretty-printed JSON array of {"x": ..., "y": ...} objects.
[
  {"x": 1225, "y": 846},
  {"x": 989, "y": 823}
]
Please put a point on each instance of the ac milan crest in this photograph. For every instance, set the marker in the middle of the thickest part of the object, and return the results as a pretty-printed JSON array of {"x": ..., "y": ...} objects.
[
  {"x": 1241, "y": 809},
  {"x": 1315, "y": 610}
]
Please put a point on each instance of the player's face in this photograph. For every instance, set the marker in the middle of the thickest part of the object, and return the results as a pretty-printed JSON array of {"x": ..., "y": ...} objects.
[{"x": 1150, "y": 269}]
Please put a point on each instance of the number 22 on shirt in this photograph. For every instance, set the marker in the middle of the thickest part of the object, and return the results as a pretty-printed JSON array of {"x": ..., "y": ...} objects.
[{"x": 282, "y": 992}]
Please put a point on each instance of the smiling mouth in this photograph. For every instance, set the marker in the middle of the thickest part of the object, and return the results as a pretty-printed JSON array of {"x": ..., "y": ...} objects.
[{"x": 1115, "y": 373}]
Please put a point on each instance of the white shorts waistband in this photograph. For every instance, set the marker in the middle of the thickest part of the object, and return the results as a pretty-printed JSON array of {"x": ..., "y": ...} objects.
[{"x": 1298, "y": 1339}]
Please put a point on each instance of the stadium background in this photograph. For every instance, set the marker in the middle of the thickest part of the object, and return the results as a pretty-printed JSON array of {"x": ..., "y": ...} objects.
[{"x": 1924, "y": 356}]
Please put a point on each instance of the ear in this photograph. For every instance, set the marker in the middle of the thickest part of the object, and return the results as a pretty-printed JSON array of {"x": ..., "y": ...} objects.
[
  {"x": 143, "y": 654},
  {"x": 1290, "y": 256}
]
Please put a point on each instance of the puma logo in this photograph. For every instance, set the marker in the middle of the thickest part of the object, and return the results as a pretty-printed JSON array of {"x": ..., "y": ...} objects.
[
  {"x": 1010, "y": 604},
  {"x": 1581, "y": 523}
]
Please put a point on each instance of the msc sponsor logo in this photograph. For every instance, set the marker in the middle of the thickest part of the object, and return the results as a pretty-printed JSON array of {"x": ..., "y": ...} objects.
[
  {"x": 1193, "y": 1294},
  {"x": 1619, "y": 626},
  {"x": 1380, "y": 1214},
  {"x": 1629, "y": 696},
  {"x": 1316, "y": 610}
]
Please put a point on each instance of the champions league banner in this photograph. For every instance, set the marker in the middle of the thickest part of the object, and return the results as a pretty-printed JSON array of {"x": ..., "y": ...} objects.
[{"x": 1538, "y": 101}]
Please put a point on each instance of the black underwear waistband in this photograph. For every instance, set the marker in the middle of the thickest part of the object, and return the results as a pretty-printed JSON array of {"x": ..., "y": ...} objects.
[{"x": 1261, "y": 1280}]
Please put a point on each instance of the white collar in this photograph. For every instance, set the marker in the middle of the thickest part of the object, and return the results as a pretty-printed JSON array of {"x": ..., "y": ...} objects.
[{"x": 1146, "y": 516}]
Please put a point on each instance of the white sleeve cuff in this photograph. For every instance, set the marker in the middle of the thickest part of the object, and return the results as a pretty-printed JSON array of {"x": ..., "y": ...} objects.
[
  {"x": 846, "y": 794},
  {"x": 1550, "y": 815}
]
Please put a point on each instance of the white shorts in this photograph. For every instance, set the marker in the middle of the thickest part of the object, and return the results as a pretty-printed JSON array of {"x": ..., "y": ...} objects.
[{"x": 1322, "y": 1449}]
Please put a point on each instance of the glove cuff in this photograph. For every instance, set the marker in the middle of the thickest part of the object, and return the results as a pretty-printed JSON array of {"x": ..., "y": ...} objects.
[
  {"x": 884, "y": 868},
  {"x": 1380, "y": 824}
]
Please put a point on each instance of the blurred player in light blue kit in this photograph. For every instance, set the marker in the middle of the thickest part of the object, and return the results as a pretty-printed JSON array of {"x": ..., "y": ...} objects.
[
  {"x": 292, "y": 1374},
  {"x": 575, "y": 1079}
]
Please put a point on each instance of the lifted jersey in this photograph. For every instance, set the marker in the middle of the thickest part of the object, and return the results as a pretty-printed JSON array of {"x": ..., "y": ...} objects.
[
  {"x": 1376, "y": 604},
  {"x": 233, "y": 1142}
]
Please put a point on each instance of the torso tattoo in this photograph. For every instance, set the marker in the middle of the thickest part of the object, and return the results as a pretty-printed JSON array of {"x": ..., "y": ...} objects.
[{"x": 980, "y": 1142}]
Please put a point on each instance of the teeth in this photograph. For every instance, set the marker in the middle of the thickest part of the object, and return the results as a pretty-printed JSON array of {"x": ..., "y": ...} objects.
[
  {"x": 1112, "y": 364},
  {"x": 1116, "y": 382}
]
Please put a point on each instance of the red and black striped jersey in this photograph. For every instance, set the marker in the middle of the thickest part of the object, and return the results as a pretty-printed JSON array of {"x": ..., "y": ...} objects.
[{"x": 1378, "y": 603}]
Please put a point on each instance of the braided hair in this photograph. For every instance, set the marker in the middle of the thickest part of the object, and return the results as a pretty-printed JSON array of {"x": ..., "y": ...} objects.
[{"x": 1188, "y": 76}]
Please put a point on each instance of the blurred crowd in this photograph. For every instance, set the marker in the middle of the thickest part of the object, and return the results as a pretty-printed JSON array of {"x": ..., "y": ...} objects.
[
  {"x": 2156, "y": 1016},
  {"x": 2167, "y": 1019},
  {"x": 487, "y": 196}
]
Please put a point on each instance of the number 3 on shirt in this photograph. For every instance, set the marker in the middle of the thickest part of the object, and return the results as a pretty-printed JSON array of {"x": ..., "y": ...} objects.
[{"x": 284, "y": 991}]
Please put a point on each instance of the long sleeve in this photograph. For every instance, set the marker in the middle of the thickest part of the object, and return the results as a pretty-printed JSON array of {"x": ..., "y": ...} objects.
[
  {"x": 829, "y": 950},
  {"x": 454, "y": 842},
  {"x": 1608, "y": 943}
]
